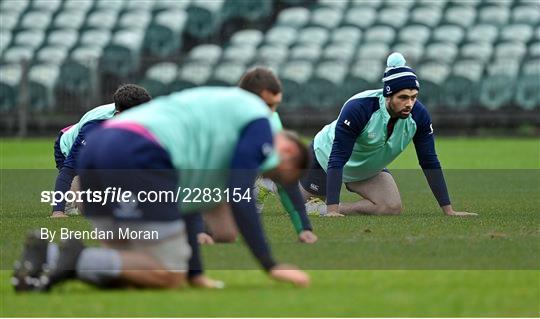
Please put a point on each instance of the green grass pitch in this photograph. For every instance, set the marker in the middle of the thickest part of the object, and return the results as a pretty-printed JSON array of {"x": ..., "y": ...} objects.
[{"x": 418, "y": 264}]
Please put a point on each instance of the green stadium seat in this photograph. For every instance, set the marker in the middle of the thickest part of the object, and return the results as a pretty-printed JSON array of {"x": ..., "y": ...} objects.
[
  {"x": 528, "y": 86},
  {"x": 462, "y": 86},
  {"x": 526, "y": 14},
  {"x": 534, "y": 50},
  {"x": 363, "y": 75},
  {"x": 433, "y": 76},
  {"x": 46, "y": 5},
  {"x": 159, "y": 77},
  {"x": 170, "y": 5},
  {"x": 321, "y": 91},
  {"x": 205, "y": 54},
  {"x": 65, "y": 38},
  {"x": 346, "y": 35},
  {"x": 204, "y": 18},
  {"x": 517, "y": 32},
  {"x": 509, "y": 50},
  {"x": 227, "y": 74},
  {"x": 374, "y": 4},
  {"x": 42, "y": 81},
  {"x": 395, "y": 17},
  {"x": 441, "y": 52},
  {"x": 380, "y": 33},
  {"x": 36, "y": 20},
  {"x": 499, "y": 3},
  {"x": 122, "y": 56},
  {"x": 96, "y": 38},
  {"x": 479, "y": 51},
  {"x": 249, "y": 37},
  {"x": 52, "y": 55},
  {"x": 30, "y": 38},
  {"x": 469, "y": 3},
  {"x": 294, "y": 75},
  {"x": 110, "y": 5},
  {"x": 416, "y": 33},
  {"x": 101, "y": 19},
  {"x": 70, "y": 19},
  {"x": 79, "y": 74},
  {"x": 78, "y": 5},
  {"x": 16, "y": 54},
  {"x": 164, "y": 35},
  {"x": 448, "y": 33},
  {"x": 9, "y": 86},
  {"x": 281, "y": 35},
  {"x": 306, "y": 52},
  {"x": 497, "y": 89},
  {"x": 14, "y": 6},
  {"x": 413, "y": 52},
  {"x": 429, "y": 16},
  {"x": 244, "y": 54},
  {"x": 272, "y": 54},
  {"x": 5, "y": 40},
  {"x": 191, "y": 75},
  {"x": 374, "y": 51},
  {"x": 496, "y": 15},
  {"x": 297, "y": 17},
  {"x": 343, "y": 52},
  {"x": 463, "y": 16},
  {"x": 483, "y": 33},
  {"x": 313, "y": 35},
  {"x": 327, "y": 18},
  {"x": 9, "y": 19},
  {"x": 537, "y": 33},
  {"x": 340, "y": 5},
  {"x": 145, "y": 5},
  {"x": 135, "y": 19},
  {"x": 360, "y": 17},
  {"x": 249, "y": 10}
]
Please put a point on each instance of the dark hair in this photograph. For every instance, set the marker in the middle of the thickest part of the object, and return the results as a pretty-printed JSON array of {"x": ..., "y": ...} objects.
[
  {"x": 304, "y": 159},
  {"x": 130, "y": 95},
  {"x": 259, "y": 78}
]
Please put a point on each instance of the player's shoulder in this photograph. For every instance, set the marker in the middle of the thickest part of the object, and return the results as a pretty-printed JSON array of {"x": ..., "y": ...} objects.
[
  {"x": 419, "y": 110},
  {"x": 366, "y": 102}
]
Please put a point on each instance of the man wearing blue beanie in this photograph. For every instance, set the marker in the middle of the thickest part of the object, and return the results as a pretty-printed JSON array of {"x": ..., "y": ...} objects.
[{"x": 372, "y": 129}]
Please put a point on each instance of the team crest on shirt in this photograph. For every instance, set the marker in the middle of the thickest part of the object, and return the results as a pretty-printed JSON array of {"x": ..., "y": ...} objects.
[{"x": 371, "y": 135}]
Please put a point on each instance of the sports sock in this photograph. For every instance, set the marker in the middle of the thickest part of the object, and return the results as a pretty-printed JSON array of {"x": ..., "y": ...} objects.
[
  {"x": 52, "y": 255},
  {"x": 99, "y": 266}
]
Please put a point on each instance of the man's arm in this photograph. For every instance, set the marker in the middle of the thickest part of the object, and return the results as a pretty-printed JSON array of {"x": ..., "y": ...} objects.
[
  {"x": 352, "y": 120},
  {"x": 293, "y": 202},
  {"x": 424, "y": 143},
  {"x": 67, "y": 173}
]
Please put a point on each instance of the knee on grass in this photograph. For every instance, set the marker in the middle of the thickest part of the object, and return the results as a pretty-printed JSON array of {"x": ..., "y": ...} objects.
[{"x": 389, "y": 208}]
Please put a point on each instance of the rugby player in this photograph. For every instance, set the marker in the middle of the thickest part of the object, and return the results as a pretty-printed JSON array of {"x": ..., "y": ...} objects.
[
  {"x": 71, "y": 139},
  {"x": 372, "y": 129}
]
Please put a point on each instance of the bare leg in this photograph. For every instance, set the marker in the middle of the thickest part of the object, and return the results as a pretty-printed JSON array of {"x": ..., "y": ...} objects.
[
  {"x": 221, "y": 224},
  {"x": 142, "y": 270},
  {"x": 380, "y": 193}
]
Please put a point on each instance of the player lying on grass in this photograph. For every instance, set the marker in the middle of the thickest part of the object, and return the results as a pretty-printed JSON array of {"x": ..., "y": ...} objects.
[
  {"x": 219, "y": 222},
  {"x": 372, "y": 129},
  {"x": 71, "y": 139},
  {"x": 198, "y": 138}
]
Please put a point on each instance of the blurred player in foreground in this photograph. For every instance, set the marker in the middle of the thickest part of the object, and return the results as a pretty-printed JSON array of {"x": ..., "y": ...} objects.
[
  {"x": 71, "y": 140},
  {"x": 219, "y": 222},
  {"x": 372, "y": 129},
  {"x": 193, "y": 139}
]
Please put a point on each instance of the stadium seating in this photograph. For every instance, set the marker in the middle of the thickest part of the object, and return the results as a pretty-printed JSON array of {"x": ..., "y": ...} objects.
[{"x": 323, "y": 50}]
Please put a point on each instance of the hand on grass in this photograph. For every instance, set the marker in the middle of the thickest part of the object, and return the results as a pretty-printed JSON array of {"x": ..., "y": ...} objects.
[
  {"x": 307, "y": 237},
  {"x": 288, "y": 273},
  {"x": 205, "y": 239}
]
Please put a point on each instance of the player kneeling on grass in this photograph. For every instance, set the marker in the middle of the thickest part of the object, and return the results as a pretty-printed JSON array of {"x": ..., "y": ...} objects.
[
  {"x": 219, "y": 223},
  {"x": 183, "y": 139},
  {"x": 71, "y": 140},
  {"x": 372, "y": 129}
]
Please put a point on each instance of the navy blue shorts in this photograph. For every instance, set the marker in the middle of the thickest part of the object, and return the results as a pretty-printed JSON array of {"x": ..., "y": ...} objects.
[
  {"x": 59, "y": 158},
  {"x": 314, "y": 181},
  {"x": 120, "y": 160}
]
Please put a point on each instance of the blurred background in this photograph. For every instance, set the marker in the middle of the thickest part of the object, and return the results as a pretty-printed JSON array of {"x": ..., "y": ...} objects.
[{"x": 478, "y": 61}]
